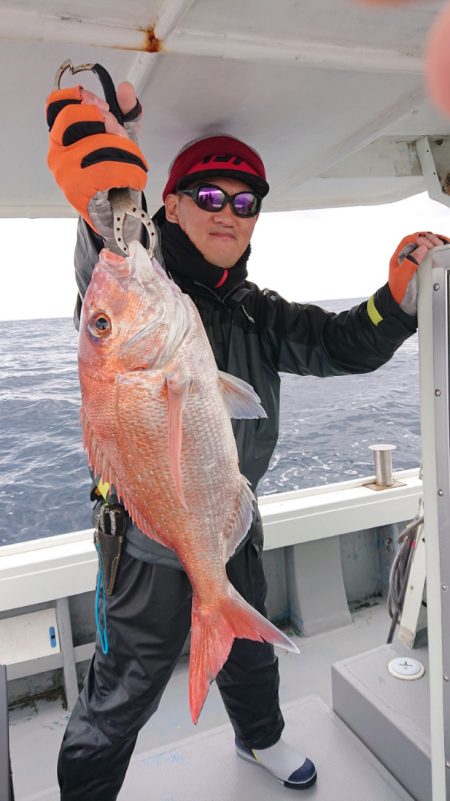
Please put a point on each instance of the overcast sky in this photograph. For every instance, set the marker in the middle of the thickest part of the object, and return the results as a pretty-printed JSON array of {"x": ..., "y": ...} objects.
[{"x": 306, "y": 256}]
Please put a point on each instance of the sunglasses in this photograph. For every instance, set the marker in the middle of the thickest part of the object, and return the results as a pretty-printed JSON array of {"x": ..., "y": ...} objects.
[{"x": 212, "y": 198}]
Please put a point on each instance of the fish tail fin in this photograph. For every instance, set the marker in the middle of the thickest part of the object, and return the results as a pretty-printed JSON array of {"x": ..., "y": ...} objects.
[{"x": 212, "y": 635}]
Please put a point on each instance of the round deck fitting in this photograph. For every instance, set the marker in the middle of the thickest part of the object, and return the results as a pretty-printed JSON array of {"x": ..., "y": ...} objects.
[{"x": 405, "y": 667}]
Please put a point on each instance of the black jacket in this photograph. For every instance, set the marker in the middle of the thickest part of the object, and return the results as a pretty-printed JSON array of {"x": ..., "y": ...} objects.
[{"x": 256, "y": 335}]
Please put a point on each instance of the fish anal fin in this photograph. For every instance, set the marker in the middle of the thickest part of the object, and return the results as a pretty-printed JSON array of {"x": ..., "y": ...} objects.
[
  {"x": 240, "y": 398},
  {"x": 242, "y": 519},
  {"x": 139, "y": 520},
  {"x": 178, "y": 386}
]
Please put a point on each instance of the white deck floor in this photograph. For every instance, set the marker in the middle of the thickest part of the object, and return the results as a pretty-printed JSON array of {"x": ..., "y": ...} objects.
[{"x": 172, "y": 758}]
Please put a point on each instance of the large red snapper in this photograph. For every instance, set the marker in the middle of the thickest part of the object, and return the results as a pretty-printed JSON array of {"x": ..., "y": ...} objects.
[{"x": 156, "y": 424}]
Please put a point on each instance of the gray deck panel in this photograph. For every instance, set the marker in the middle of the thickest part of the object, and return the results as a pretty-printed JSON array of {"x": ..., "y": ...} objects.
[
  {"x": 36, "y": 731},
  {"x": 205, "y": 767}
]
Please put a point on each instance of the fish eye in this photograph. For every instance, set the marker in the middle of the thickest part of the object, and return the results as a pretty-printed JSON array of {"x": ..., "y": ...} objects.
[{"x": 100, "y": 325}]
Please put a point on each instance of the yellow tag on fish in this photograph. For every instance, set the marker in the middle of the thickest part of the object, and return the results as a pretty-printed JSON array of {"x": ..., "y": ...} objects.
[{"x": 103, "y": 488}]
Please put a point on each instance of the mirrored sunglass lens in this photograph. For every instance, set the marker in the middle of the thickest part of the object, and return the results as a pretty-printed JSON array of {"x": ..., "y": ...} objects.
[
  {"x": 245, "y": 204},
  {"x": 210, "y": 199}
]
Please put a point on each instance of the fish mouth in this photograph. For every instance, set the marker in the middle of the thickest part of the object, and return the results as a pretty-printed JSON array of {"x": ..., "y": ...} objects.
[
  {"x": 115, "y": 270},
  {"x": 117, "y": 265}
]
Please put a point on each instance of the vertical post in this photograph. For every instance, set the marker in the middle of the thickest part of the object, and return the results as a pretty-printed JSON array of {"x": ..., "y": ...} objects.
[
  {"x": 434, "y": 331},
  {"x": 382, "y": 455},
  {"x": 6, "y": 787},
  {"x": 410, "y": 621},
  {"x": 66, "y": 643}
]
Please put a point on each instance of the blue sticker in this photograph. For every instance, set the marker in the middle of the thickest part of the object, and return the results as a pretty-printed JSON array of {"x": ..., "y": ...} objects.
[{"x": 52, "y": 634}]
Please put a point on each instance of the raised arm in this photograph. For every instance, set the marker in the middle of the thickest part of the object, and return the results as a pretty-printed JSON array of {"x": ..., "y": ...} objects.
[
  {"x": 306, "y": 339},
  {"x": 89, "y": 154}
]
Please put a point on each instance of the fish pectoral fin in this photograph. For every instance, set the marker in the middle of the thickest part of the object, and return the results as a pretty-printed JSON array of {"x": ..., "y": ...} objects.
[
  {"x": 240, "y": 398},
  {"x": 178, "y": 387}
]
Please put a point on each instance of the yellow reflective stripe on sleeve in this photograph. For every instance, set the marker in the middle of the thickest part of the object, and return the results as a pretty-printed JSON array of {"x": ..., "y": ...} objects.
[
  {"x": 103, "y": 488},
  {"x": 373, "y": 312}
]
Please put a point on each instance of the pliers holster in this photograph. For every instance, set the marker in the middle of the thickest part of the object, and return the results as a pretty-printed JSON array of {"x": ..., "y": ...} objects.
[{"x": 109, "y": 535}]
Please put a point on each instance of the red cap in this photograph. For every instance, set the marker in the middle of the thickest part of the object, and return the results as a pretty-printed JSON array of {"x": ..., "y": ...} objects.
[{"x": 214, "y": 156}]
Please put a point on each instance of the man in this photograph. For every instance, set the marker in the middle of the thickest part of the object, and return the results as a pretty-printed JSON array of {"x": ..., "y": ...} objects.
[{"x": 212, "y": 199}]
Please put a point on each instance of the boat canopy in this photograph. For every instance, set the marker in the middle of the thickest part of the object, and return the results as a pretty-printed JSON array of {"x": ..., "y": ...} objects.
[{"x": 330, "y": 92}]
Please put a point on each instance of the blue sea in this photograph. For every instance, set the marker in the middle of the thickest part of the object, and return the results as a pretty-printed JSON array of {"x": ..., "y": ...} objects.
[{"x": 327, "y": 425}]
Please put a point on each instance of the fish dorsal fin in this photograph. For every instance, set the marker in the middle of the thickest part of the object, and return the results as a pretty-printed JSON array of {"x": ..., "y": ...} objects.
[
  {"x": 177, "y": 391},
  {"x": 243, "y": 519},
  {"x": 240, "y": 398}
]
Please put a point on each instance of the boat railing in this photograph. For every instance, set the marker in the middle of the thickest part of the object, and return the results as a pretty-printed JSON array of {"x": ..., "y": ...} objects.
[
  {"x": 302, "y": 529},
  {"x": 45, "y": 569}
]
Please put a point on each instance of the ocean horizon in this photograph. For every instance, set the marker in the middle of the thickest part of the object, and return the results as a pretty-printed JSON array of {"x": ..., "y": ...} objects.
[{"x": 326, "y": 427}]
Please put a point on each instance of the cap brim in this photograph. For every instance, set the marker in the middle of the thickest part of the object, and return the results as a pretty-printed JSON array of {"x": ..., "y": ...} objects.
[{"x": 259, "y": 185}]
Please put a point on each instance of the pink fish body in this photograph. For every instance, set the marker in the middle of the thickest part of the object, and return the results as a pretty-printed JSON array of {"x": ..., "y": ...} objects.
[{"x": 156, "y": 425}]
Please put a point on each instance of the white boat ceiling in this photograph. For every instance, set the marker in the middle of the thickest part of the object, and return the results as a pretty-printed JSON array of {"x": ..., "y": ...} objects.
[{"x": 330, "y": 92}]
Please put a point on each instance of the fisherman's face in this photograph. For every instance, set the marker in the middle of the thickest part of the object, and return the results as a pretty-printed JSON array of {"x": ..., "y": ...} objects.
[{"x": 220, "y": 236}]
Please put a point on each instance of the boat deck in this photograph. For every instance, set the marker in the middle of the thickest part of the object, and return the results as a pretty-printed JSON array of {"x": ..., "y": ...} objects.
[{"x": 180, "y": 763}]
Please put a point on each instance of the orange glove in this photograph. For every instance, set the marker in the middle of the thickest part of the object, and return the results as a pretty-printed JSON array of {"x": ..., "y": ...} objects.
[
  {"x": 404, "y": 264},
  {"x": 86, "y": 155}
]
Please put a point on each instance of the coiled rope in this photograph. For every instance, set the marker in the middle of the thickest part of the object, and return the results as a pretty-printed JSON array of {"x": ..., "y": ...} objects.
[{"x": 399, "y": 575}]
